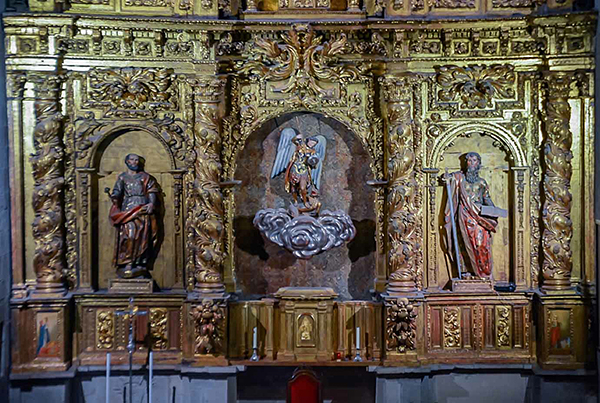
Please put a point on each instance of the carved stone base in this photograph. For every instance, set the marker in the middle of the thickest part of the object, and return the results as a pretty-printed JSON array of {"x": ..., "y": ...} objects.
[
  {"x": 130, "y": 286},
  {"x": 472, "y": 285}
]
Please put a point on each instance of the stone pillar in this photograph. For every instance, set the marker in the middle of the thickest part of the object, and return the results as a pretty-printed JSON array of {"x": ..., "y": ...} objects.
[
  {"x": 206, "y": 228},
  {"x": 48, "y": 174},
  {"x": 403, "y": 216},
  {"x": 556, "y": 212}
]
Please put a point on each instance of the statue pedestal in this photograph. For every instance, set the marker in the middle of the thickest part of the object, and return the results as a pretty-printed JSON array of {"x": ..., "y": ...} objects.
[
  {"x": 130, "y": 286},
  {"x": 472, "y": 285}
]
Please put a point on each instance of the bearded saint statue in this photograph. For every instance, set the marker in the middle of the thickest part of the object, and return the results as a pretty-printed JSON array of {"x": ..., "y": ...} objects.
[
  {"x": 468, "y": 193},
  {"x": 134, "y": 198}
]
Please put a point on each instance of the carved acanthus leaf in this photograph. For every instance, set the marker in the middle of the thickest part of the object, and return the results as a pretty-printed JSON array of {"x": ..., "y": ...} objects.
[
  {"x": 475, "y": 86},
  {"x": 131, "y": 91},
  {"x": 300, "y": 62}
]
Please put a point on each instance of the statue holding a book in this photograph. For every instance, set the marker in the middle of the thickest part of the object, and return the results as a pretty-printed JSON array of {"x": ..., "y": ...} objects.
[{"x": 471, "y": 218}]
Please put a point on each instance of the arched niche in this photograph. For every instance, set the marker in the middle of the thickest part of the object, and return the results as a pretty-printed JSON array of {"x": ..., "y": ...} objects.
[
  {"x": 262, "y": 267},
  {"x": 109, "y": 162},
  {"x": 503, "y": 170}
]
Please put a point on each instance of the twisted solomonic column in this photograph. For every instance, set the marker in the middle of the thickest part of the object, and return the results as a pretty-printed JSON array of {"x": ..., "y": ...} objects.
[
  {"x": 207, "y": 227},
  {"x": 48, "y": 174},
  {"x": 556, "y": 212},
  {"x": 404, "y": 275}
]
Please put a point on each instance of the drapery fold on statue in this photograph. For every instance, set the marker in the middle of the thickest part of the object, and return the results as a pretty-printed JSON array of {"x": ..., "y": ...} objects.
[
  {"x": 137, "y": 231},
  {"x": 474, "y": 229}
]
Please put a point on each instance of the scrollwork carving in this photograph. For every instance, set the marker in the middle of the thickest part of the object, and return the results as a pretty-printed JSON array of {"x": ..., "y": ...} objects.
[
  {"x": 401, "y": 325},
  {"x": 556, "y": 210},
  {"x": 503, "y": 326},
  {"x": 452, "y": 327},
  {"x": 301, "y": 61},
  {"x": 105, "y": 329},
  {"x": 158, "y": 328}
]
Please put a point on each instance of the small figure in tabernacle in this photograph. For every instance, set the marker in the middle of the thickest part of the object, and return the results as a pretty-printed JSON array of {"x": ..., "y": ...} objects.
[
  {"x": 302, "y": 161},
  {"x": 470, "y": 205},
  {"x": 134, "y": 198}
]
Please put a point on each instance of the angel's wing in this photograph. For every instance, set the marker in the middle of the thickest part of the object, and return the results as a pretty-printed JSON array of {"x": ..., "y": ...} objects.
[
  {"x": 320, "y": 150},
  {"x": 285, "y": 150}
]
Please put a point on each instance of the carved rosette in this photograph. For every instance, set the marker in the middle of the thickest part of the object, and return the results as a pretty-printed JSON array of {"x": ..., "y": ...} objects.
[
  {"x": 48, "y": 170},
  {"x": 556, "y": 211},
  {"x": 206, "y": 228},
  {"x": 405, "y": 275},
  {"x": 209, "y": 326},
  {"x": 401, "y": 325}
]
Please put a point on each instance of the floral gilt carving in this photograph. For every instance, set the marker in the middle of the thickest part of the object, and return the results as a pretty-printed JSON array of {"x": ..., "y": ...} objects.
[
  {"x": 131, "y": 92},
  {"x": 401, "y": 325},
  {"x": 301, "y": 62},
  {"x": 209, "y": 323},
  {"x": 475, "y": 86}
]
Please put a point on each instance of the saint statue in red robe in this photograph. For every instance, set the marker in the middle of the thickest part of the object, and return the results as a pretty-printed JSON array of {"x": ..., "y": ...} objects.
[
  {"x": 134, "y": 198},
  {"x": 468, "y": 193}
]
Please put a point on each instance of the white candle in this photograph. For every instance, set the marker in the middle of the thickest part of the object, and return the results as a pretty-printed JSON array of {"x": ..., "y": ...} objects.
[
  {"x": 358, "y": 338},
  {"x": 151, "y": 359},
  {"x": 254, "y": 338},
  {"x": 107, "y": 377}
]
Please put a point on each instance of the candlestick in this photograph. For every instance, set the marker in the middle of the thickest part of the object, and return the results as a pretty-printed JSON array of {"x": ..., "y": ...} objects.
[
  {"x": 255, "y": 356},
  {"x": 107, "y": 377},
  {"x": 358, "y": 358},
  {"x": 151, "y": 359}
]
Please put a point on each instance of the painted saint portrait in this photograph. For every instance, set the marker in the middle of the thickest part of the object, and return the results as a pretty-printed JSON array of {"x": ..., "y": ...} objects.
[
  {"x": 560, "y": 337},
  {"x": 48, "y": 344}
]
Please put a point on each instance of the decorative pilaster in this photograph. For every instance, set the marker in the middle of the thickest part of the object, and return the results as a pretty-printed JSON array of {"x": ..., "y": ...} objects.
[
  {"x": 403, "y": 246},
  {"x": 206, "y": 228},
  {"x": 556, "y": 211},
  {"x": 15, "y": 86},
  {"x": 48, "y": 174}
]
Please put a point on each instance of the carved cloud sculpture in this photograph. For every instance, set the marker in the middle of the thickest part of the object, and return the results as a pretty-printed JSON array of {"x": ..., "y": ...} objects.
[{"x": 304, "y": 235}]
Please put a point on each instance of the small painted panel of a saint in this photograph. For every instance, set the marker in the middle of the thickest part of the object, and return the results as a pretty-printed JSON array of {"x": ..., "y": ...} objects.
[
  {"x": 48, "y": 344},
  {"x": 133, "y": 213},
  {"x": 471, "y": 217}
]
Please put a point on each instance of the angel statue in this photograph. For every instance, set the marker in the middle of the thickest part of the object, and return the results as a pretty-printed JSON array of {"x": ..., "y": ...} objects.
[{"x": 302, "y": 161}]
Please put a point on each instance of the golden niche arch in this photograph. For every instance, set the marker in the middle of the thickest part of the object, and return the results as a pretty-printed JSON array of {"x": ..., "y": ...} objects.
[
  {"x": 106, "y": 162},
  {"x": 506, "y": 170},
  {"x": 262, "y": 267}
]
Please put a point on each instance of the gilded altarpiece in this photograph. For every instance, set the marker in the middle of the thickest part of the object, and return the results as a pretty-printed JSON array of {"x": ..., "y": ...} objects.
[{"x": 203, "y": 101}]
